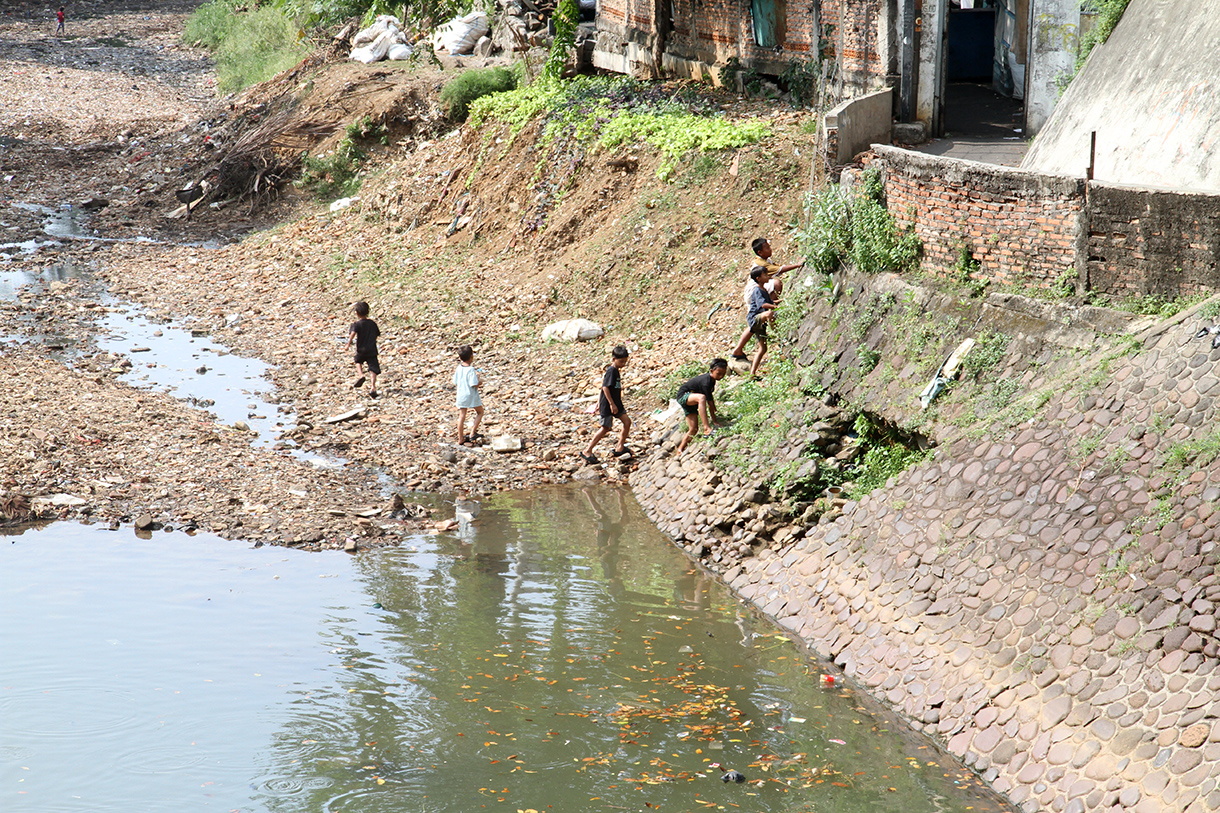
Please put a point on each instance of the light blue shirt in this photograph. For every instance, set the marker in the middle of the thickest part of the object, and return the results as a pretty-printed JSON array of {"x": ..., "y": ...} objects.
[{"x": 466, "y": 379}]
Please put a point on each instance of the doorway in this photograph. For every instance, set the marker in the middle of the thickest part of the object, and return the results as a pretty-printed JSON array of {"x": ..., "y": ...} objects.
[{"x": 984, "y": 69}]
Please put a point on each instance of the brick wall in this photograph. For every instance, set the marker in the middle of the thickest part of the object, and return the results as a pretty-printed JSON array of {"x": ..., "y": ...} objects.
[
  {"x": 1143, "y": 241},
  {"x": 1021, "y": 227},
  {"x": 712, "y": 31}
]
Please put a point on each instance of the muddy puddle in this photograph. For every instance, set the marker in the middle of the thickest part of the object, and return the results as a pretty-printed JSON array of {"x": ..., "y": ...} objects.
[
  {"x": 68, "y": 223},
  {"x": 162, "y": 356}
]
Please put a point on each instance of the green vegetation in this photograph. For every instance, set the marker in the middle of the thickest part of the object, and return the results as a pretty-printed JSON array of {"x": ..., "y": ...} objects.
[
  {"x": 1193, "y": 454},
  {"x": 210, "y": 23},
  {"x": 337, "y": 173},
  {"x": 986, "y": 355},
  {"x": 886, "y": 456},
  {"x": 472, "y": 84},
  {"x": 565, "y": 19},
  {"x": 1109, "y": 13},
  {"x": 856, "y": 228},
  {"x": 799, "y": 78},
  {"x": 250, "y": 46},
  {"x": 578, "y": 117}
]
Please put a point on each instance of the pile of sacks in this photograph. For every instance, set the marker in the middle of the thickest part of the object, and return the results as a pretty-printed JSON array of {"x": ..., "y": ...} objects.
[{"x": 384, "y": 39}]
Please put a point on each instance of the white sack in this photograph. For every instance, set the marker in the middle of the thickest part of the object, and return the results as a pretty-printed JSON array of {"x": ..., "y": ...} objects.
[
  {"x": 399, "y": 51},
  {"x": 459, "y": 35},
  {"x": 375, "y": 52}
]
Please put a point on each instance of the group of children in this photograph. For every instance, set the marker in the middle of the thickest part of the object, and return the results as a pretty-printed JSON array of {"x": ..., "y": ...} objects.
[{"x": 696, "y": 396}]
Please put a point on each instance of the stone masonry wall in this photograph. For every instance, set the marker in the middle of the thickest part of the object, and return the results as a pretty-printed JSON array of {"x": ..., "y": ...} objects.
[
  {"x": 1041, "y": 593},
  {"x": 1145, "y": 241},
  {"x": 1023, "y": 228}
]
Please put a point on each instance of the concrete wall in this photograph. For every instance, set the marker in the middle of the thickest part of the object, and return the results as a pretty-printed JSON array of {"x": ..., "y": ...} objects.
[
  {"x": 859, "y": 123},
  {"x": 1150, "y": 94},
  {"x": 1053, "y": 48}
]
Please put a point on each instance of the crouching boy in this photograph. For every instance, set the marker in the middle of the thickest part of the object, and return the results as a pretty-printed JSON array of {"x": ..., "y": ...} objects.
[{"x": 698, "y": 401}]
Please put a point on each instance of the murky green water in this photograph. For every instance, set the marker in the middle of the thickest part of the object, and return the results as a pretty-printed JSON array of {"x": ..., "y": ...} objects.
[{"x": 553, "y": 654}]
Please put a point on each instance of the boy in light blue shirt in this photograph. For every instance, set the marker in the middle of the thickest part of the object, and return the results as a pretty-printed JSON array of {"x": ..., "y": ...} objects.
[{"x": 466, "y": 379}]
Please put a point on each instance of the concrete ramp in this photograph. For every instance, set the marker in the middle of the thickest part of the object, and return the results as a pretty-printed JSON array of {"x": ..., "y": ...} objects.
[{"x": 1152, "y": 94}]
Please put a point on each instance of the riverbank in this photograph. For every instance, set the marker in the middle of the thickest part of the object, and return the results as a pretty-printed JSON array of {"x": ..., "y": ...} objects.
[{"x": 1040, "y": 594}]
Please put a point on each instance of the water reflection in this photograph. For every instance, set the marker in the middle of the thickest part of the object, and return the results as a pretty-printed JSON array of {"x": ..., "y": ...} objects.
[{"x": 553, "y": 653}]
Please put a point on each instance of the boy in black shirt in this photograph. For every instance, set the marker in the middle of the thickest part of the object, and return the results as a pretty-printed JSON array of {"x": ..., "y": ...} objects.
[
  {"x": 610, "y": 406},
  {"x": 698, "y": 401},
  {"x": 364, "y": 333}
]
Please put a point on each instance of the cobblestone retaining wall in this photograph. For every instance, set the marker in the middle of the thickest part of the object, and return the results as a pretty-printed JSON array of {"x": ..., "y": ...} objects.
[{"x": 1041, "y": 596}]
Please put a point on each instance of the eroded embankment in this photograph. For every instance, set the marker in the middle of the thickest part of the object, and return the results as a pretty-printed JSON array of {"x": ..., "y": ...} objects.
[{"x": 1040, "y": 593}]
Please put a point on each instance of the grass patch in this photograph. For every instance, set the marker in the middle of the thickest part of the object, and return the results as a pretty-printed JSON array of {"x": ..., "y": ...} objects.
[
  {"x": 466, "y": 87},
  {"x": 254, "y": 47},
  {"x": 337, "y": 173}
]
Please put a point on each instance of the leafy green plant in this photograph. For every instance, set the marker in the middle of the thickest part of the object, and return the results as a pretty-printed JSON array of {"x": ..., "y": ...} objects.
[
  {"x": 1109, "y": 13},
  {"x": 867, "y": 359},
  {"x": 885, "y": 457},
  {"x": 801, "y": 80},
  {"x": 474, "y": 84},
  {"x": 877, "y": 244},
  {"x": 825, "y": 239},
  {"x": 565, "y": 19},
  {"x": 751, "y": 80}
]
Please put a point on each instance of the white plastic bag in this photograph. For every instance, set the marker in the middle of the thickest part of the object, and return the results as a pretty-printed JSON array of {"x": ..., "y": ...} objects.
[
  {"x": 459, "y": 35},
  {"x": 399, "y": 51}
]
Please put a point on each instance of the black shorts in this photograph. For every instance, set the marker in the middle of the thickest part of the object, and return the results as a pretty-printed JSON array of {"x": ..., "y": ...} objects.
[
  {"x": 759, "y": 328},
  {"x": 606, "y": 419},
  {"x": 371, "y": 360}
]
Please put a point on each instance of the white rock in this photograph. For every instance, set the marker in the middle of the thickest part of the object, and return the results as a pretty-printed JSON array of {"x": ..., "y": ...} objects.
[
  {"x": 67, "y": 500},
  {"x": 506, "y": 443},
  {"x": 572, "y": 330}
]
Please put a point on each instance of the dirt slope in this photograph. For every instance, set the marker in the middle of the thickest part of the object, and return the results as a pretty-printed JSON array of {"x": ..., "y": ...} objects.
[{"x": 441, "y": 263}]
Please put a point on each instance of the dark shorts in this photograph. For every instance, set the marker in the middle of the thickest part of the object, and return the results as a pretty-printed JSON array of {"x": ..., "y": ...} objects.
[
  {"x": 371, "y": 360},
  {"x": 759, "y": 328},
  {"x": 606, "y": 420},
  {"x": 689, "y": 409}
]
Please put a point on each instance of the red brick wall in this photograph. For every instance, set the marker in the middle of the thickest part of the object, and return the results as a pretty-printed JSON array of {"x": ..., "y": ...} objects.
[{"x": 1023, "y": 228}]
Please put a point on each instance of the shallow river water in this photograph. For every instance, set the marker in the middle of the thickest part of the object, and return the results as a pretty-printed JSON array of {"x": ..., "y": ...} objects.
[{"x": 553, "y": 654}]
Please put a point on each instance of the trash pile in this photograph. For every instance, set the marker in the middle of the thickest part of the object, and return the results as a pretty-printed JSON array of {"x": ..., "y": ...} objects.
[{"x": 384, "y": 39}]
